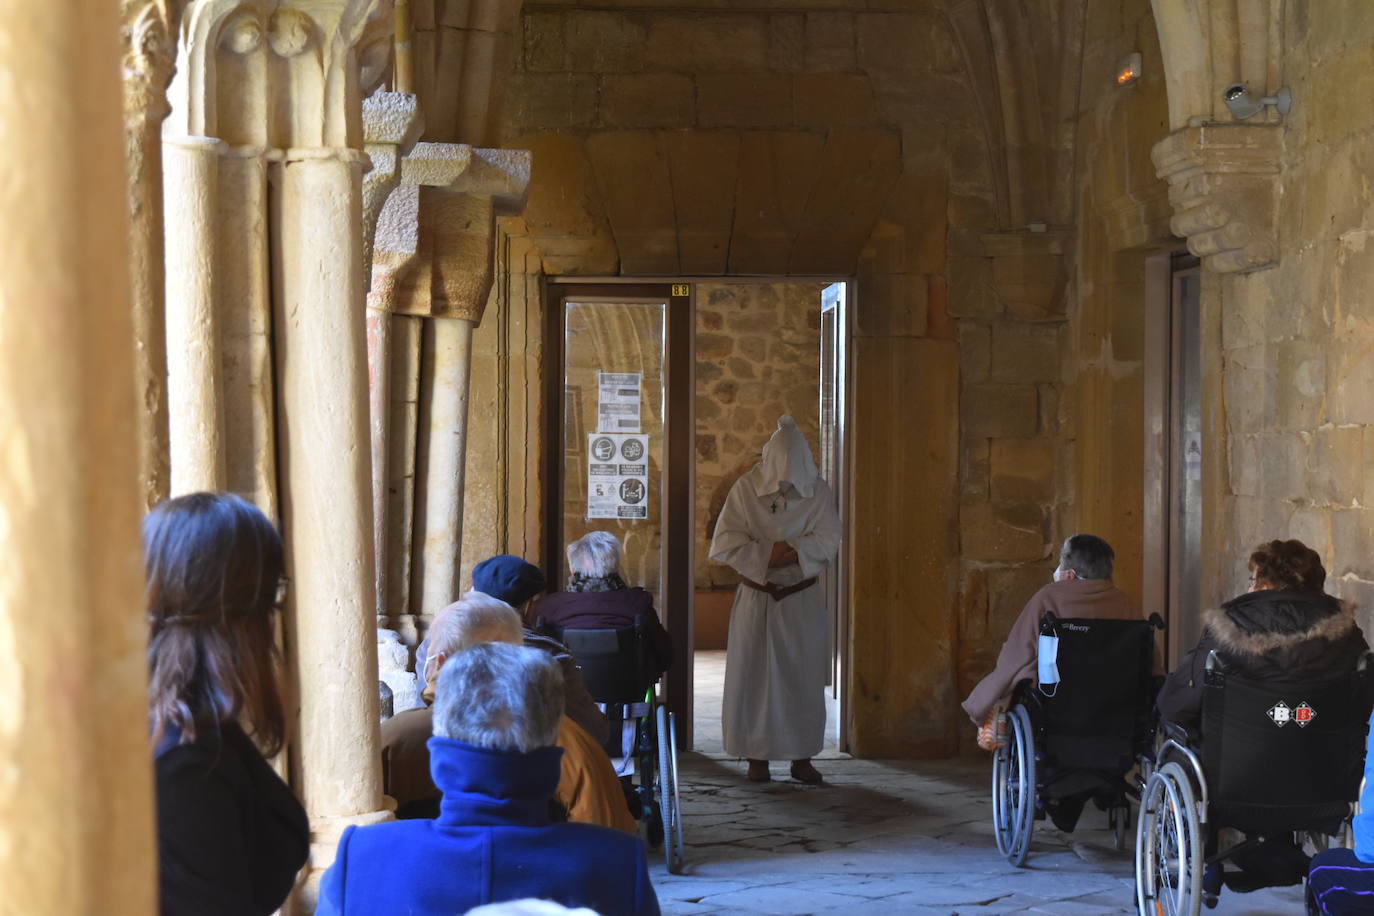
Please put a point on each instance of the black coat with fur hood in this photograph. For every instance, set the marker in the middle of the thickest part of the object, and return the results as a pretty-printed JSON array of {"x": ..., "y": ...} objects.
[{"x": 1262, "y": 634}]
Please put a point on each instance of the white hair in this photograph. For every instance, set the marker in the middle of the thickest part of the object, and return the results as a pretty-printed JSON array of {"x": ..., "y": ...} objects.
[
  {"x": 507, "y": 698},
  {"x": 529, "y": 907},
  {"x": 595, "y": 554},
  {"x": 473, "y": 619}
]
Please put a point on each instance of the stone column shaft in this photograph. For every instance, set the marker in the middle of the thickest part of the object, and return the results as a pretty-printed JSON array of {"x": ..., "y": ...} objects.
[
  {"x": 327, "y": 498},
  {"x": 447, "y": 354},
  {"x": 76, "y": 802},
  {"x": 404, "y": 439},
  {"x": 190, "y": 171},
  {"x": 245, "y": 318},
  {"x": 379, "y": 411}
]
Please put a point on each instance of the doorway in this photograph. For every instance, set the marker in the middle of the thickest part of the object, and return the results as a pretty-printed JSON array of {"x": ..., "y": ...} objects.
[
  {"x": 764, "y": 348},
  {"x": 691, "y": 376},
  {"x": 1174, "y": 449}
]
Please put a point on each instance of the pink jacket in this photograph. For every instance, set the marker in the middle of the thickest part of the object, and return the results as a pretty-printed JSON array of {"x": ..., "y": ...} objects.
[{"x": 1084, "y": 598}]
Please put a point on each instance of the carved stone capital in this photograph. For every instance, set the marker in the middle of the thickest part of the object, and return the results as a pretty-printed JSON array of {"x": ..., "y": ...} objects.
[
  {"x": 148, "y": 36},
  {"x": 1223, "y": 185},
  {"x": 434, "y": 254},
  {"x": 391, "y": 126}
]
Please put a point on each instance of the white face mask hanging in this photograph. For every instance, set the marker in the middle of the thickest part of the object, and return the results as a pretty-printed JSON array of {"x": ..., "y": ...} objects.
[{"x": 1047, "y": 659}]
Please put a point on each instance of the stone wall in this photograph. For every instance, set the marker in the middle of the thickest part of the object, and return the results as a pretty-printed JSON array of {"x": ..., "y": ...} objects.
[
  {"x": 910, "y": 148},
  {"x": 1292, "y": 360},
  {"x": 758, "y": 356}
]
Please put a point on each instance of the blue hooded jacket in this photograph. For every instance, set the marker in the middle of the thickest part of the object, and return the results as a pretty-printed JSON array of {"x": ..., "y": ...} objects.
[
  {"x": 1363, "y": 822},
  {"x": 492, "y": 841}
]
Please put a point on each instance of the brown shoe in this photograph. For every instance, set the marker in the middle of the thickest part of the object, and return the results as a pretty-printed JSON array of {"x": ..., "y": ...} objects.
[
  {"x": 803, "y": 771},
  {"x": 758, "y": 771}
]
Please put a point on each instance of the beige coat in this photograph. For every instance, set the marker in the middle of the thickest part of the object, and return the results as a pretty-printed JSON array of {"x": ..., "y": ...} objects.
[{"x": 1082, "y": 598}]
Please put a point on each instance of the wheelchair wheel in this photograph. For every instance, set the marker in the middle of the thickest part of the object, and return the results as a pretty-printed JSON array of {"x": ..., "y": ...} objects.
[
  {"x": 1117, "y": 818},
  {"x": 1013, "y": 788},
  {"x": 1168, "y": 846},
  {"x": 669, "y": 804}
]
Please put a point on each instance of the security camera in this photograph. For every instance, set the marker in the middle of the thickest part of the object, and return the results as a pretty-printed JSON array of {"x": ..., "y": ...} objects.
[{"x": 1243, "y": 105}]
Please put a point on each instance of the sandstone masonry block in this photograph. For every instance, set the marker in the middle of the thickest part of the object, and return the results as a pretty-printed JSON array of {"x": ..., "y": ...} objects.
[
  {"x": 697, "y": 43},
  {"x": 975, "y": 351},
  {"x": 892, "y": 305},
  {"x": 830, "y": 41},
  {"x": 1024, "y": 353},
  {"x": 971, "y": 293},
  {"x": 545, "y": 47},
  {"x": 834, "y": 100},
  {"x": 1023, "y": 470},
  {"x": 551, "y": 101},
  {"x": 989, "y": 532},
  {"x": 647, "y": 100},
  {"x": 1000, "y": 411},
  {"x": 1336, "y": 466},
  {"x": 906, "y": 42},
  {"x": 786, "y": 41},
  {"x": 753, "y": 100},
  {"x": 604, "y": 42}
]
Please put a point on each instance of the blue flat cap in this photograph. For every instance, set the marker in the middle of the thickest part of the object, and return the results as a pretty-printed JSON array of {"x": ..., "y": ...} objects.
[{"x": 508, "y": 578}]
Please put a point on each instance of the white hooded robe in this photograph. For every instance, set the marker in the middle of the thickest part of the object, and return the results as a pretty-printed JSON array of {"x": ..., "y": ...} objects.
[{"x": 777, "y": 656}]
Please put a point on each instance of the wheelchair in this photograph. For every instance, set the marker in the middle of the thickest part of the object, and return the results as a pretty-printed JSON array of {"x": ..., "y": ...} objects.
[
  {"x": 1276, "y": 757},
  {"x": 643, "y": 742},
  {"x": 1078, "y": 741}
]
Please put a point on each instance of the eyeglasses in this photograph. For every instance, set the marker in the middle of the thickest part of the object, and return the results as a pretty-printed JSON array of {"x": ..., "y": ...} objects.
[{"x": 282, "y": 584}]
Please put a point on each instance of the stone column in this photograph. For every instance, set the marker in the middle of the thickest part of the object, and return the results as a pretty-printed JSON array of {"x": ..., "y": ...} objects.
[
  {"x": 326, "y": 493},
  {"x": 244, "y": 319},
  {"x": 404, "y": 436},
  {"x": 391, "y": 126},
  {"x": 149, "y": 48},
  {"x": 461, "y": 191},
  {"x": 447, "y": 355},
  {"x": 76, "y": 825},
  {"x": 190, "y": 171}
]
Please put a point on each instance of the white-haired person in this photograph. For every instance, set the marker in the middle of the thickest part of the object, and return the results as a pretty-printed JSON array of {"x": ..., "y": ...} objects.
[
  {"x": 497, "y": 714},
  {"x": 597, "y": 597},
  {"x": 588, "y": 791}
]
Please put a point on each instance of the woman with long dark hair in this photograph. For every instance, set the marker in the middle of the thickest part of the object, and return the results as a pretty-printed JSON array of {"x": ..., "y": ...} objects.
[{"x": 231, "y": 835}]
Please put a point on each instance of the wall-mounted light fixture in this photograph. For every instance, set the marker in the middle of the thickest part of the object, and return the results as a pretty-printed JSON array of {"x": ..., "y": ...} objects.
[
  {"x": 1128, "y": 71},
  {"x": 1243, "y": 105}
]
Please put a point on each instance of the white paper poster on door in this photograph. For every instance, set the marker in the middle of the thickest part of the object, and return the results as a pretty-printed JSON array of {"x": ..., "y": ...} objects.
[
  {"x": 618, "y": 402},
  {"x": 617, "y": 475}
]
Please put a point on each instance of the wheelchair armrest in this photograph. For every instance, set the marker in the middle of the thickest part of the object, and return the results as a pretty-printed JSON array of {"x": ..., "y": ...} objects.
[{"x": 1177, "y": 732}]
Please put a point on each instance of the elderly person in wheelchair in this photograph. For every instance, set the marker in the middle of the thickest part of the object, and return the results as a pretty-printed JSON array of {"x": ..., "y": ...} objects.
[
  {"x": 1263, "y": 727},
  {"x": 598, "y": 597},
  {"x": 1082, "y": 590}
]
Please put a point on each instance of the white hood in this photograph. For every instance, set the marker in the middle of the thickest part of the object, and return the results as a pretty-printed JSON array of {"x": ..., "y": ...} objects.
[{"x": 786, "y": 459}]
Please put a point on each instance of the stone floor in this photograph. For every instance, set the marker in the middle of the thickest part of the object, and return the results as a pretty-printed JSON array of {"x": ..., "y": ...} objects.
[{"x": 888, "y": 837}]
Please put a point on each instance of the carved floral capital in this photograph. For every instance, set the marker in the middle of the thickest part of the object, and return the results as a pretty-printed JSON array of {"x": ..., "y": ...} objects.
[
  {"x": 148, "y": 36},
  {"x": 1223, "y": 186}
]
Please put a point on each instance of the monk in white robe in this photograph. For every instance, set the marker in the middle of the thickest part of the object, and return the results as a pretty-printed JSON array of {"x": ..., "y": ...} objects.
[{"x": 778, "y": 530}]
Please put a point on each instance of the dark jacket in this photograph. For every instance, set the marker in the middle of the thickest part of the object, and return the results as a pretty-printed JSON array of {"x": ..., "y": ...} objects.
[
  {"x": 491, "y": 842},
  {"x": 230, "y": 834},
  {"x": 613, "y": 610},
  {"x": 1270, "y": 633}
]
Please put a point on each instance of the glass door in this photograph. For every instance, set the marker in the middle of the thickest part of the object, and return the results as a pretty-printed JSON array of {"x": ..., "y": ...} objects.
[
  {"x": 619, "y": 446},
  {"x": 613, "y": 459}
]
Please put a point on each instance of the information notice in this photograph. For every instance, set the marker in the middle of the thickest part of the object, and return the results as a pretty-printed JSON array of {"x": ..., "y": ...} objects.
[
  {"x": 618, "y": 402},
  {"x": 617, "y": 475}
]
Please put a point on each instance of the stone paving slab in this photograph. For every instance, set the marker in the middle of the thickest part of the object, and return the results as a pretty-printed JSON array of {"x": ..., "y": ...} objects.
[{"x": 891, "y": 837}]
